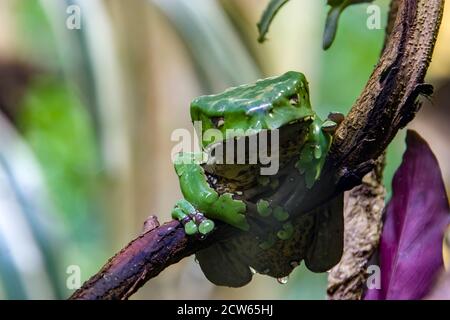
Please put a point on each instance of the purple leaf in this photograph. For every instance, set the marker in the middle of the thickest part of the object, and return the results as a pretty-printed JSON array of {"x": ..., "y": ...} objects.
[{"x": 410, "y": 252}]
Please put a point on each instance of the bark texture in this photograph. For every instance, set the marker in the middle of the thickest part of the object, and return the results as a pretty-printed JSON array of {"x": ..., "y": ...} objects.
[{"x": 363, "y": 224}]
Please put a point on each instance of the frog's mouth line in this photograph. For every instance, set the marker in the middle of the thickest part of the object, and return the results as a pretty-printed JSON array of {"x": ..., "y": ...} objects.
[
  {"x": 245, "y": 173},
  {"x": 290, "y": 132}
]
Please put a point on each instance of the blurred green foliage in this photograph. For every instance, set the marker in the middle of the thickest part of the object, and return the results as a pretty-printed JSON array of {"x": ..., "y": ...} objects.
[
  {"x": 56, "y": 122},
  {"x": 58, "y": 129},
  {"x": 347, "y": 65},
  {"x": 36, "y": 36}
]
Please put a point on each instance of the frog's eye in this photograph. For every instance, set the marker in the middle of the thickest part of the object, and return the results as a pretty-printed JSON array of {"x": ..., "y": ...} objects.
[
  {"x": 293, "y": 99},
  {"x": 218, "y": 122}
]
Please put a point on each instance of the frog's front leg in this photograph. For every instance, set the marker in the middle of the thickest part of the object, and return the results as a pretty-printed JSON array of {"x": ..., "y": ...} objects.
[
  {"x": 316, "y": 147},
  {"x": 201, "y": 198},
  {"x": 193, "y": 221}
]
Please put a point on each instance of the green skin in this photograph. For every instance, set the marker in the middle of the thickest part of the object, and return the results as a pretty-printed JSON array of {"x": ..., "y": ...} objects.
[{"x": 268, "y": 104}]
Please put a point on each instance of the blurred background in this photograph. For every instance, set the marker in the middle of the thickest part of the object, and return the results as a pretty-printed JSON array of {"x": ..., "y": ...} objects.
[{"x": 86, "y": 117}]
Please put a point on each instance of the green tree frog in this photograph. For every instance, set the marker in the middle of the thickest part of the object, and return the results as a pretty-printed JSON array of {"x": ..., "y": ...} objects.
[{"x": 237, "y": 194}]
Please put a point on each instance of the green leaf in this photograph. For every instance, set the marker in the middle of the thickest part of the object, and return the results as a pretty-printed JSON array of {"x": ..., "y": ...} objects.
[
  {"x": 331, "y": 23},
  {"x": 268, "y": 15}
]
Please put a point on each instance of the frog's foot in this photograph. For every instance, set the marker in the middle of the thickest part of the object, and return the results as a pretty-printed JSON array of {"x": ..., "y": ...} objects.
[{"x": 193, "y": 221}]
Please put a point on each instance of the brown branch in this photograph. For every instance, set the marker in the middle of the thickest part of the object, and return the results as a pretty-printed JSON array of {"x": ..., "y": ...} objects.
[
  {"x": 387, "y": 104},
  {"x": 142, "y": 259},
  {"x": 363, "y": 224}
]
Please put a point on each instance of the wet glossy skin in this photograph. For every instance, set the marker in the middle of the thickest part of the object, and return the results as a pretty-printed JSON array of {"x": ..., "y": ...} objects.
[{"x": 268, "y": 104}]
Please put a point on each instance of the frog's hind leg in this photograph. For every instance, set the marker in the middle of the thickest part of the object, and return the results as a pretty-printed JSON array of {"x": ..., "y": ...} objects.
[
  {"x": 223, "y": 267},
  {"x": 326, "y": 247},
  {"x": 193, "y": 221}
]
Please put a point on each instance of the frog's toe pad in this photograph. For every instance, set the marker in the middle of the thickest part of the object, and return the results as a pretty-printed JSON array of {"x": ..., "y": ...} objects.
[
  {"x": 183, "y": 213},
  {"x": 206, "y": 226},
  {"x": 190, "y": 228}
]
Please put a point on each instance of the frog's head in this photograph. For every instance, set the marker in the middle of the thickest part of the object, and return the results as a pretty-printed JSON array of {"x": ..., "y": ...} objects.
[{"x": 267, "y": 104}]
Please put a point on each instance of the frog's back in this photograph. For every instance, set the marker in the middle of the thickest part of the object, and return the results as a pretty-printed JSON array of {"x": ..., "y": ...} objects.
[
  {"x": 254, "y": 97},
  {"x": 267, "y": 104}
]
